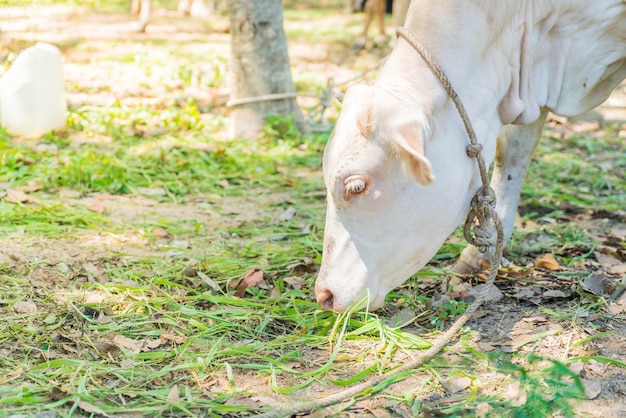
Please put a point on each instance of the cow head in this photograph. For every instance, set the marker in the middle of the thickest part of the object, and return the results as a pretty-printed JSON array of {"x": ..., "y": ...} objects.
[{"x": 389, "y": 210}]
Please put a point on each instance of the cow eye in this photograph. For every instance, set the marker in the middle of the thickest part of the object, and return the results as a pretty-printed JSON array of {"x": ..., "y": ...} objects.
[{"x": 354, "y": 186}]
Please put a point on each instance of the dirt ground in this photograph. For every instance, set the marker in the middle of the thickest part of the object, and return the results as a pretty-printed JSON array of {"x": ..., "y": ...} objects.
[{"x": 507, "y": 324}]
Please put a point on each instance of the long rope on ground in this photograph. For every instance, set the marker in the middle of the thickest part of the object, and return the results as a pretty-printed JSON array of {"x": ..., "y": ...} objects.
[{"x": 487, "y": 236}]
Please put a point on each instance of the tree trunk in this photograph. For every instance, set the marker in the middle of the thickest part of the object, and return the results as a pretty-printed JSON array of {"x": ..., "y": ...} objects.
[{"x": 260, "y": 75}]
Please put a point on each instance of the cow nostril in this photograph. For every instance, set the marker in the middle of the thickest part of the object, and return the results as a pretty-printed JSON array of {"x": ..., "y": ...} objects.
[{"x": 325, "y": 299}]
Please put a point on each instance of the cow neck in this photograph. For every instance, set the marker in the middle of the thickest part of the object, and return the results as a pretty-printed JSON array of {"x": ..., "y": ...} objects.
[
  {"x": 474, "y": 148},
  {"x": 487, "y": 239}
]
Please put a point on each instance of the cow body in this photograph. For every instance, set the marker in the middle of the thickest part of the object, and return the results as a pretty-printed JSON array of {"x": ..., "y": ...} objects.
[{"x": 398, "y": 177}]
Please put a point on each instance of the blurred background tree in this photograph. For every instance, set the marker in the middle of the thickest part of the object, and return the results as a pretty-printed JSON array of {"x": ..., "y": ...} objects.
[{"x": 260, "y": 74}]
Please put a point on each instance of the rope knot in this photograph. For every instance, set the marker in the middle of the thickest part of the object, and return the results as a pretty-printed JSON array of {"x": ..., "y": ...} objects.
[
  {"x": 485, "y": 198},
  {"x": 478, "y": 229},
  {"x": 473, "y": 150}
]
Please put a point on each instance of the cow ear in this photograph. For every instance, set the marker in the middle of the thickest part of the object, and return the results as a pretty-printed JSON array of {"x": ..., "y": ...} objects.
[{"x": 410, "y": 137}]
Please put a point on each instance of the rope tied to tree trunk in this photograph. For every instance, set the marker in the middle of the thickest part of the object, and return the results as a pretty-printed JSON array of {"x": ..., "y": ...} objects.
[
  {"x": 488, "y": 236},
  {"x": 259, "y": 99}
]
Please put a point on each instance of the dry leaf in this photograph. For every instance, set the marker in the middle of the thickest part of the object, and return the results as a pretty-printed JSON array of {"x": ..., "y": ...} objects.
[
  {"x": 617, "y": 307},
  {"x": 92, "y": 269},
  {"x": 618, "y": 269},
  {"x": 16, "y": 373},
  {"x": 190, "y": 272},
  {"x": 288, "y": 214},
  {"x": 306, "y": 265},
  {"x": 152, "y": 343},
  {"x": 103, "y": 319},
  {"x": 206, "y": 279},
  {"x": 126, "y": 363},
  {"x": 526, "y": 225},
  {"x": 457, "y": 288},
  {"x": 152, "y": 191},
  {"x": 25, "y": 306},
  {"x": 606, "y": 260},
  {"x": 515, "y": 273},
  {"x": 131, "y": 345},
  {"x": 89, "y": 408},
  {"x": 593, "y": 388},
  {"x": 177, "y": 339},
  {"x": 173, "y": 395},
  {"x": 484, "y": 346},
  {"x": 618, "y": 232},
  {"x": 536, "y": 319},
  {"x": 18, "y": 196},
  {"x": 494, "y": 294},
  {"x": 97, "y": 207},
  {"x": 484, "y": 264},
  {"x": 483, "y": 410},
  {"x": 160, "y": 232},
  {"x": 129, "y": 283},
  {"x": 275, "y": 293},
  {"x": 523, "y": 293},
  {"x": 31, "y": 186},
  {"x": 547, "y": 262},
  {"x": 596, "y": 367},
  {"x": 253, "y": 401},
  {"x": 105, "y": 348},
  {"x": 597, "y": 283},
  {"x": 553, "y": 294},
  {"x": 57, "y": 394},
  {"x": 380, "y": 413},
  {"x": 95, "y": 298},
  {"x": 577, "y": 367},
  {"x": 456, "y": 384},
  {"x": 252, "y": 278},
  {"x": 294, "y": 282},
  {"x": 65, "y": 193},
  {"x": 516, "y": 394}
]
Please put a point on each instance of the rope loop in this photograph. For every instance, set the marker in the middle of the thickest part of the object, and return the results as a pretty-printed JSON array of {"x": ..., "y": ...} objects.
[
  {"x": 473, "y": 150},
  {"x": 478, "y": 228}
]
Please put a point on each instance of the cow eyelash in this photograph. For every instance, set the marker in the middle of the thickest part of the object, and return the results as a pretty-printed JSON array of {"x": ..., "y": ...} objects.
[{"x": 354, "y": 186}]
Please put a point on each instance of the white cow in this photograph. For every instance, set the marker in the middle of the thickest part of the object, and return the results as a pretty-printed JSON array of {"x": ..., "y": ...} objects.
[{"x": 398, "y": 178}]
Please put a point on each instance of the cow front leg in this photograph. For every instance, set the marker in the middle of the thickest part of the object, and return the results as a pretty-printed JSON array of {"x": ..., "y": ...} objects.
[{"x": 515, "y": 147}]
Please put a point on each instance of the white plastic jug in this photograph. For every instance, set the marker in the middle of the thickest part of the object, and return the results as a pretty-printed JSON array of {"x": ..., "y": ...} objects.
[{"x": 32, "y": 93}]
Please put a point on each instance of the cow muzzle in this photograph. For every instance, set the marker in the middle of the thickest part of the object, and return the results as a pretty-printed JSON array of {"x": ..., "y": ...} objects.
[
  {"x": 325, "y": 298},
  {"x": 341, "y": 299}
]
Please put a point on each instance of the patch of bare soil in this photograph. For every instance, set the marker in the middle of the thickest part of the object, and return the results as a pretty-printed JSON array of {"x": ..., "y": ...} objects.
[{"x": 515, "y": 326}]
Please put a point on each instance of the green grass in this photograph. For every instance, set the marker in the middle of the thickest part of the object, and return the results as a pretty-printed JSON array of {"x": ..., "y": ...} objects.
[{"x": 588, "y": 173}]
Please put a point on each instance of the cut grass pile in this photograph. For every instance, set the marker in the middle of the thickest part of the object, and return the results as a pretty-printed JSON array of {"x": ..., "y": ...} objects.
[{"x": 126, "y": 236}]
